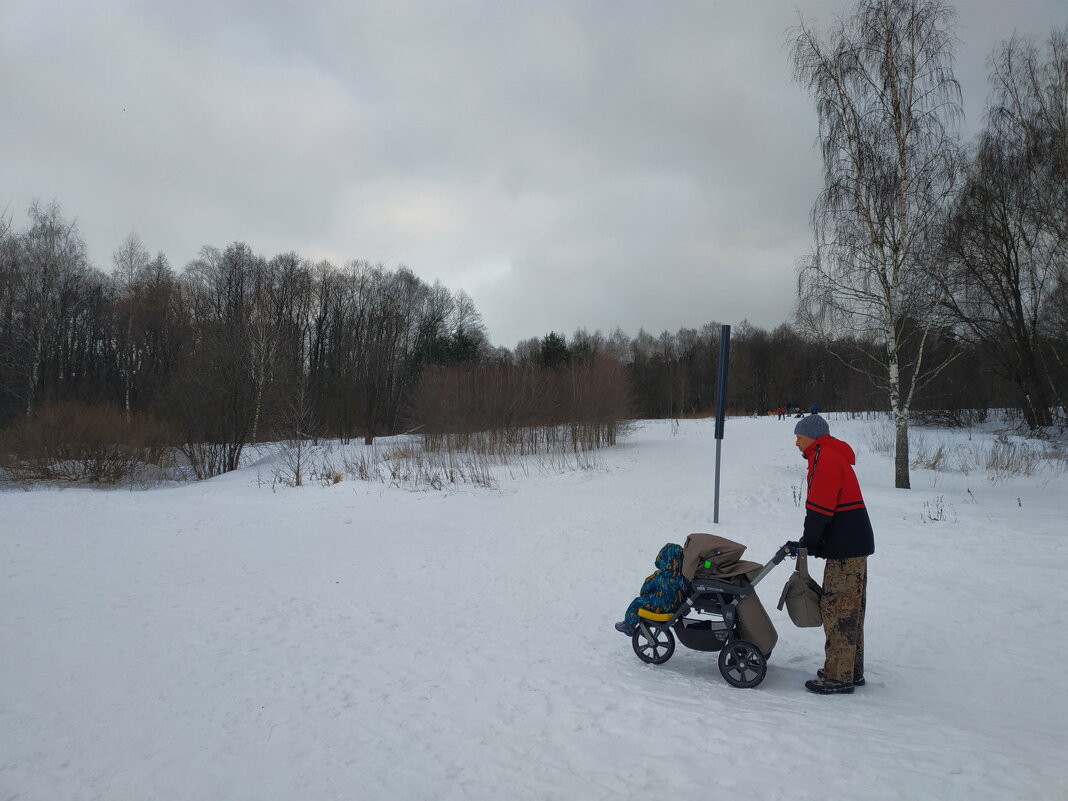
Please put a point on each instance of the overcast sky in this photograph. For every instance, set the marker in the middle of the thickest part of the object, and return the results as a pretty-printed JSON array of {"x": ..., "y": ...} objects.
[{"x": 613, "y": 163}]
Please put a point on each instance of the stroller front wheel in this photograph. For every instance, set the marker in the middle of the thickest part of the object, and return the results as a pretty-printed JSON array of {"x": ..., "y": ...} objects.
[
  {"x": 656, "y": 647},
  {"x": 742, "y": 664}
]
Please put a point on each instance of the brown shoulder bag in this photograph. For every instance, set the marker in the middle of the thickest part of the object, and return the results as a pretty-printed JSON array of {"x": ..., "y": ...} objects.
[{"x": 801, "y": 595}]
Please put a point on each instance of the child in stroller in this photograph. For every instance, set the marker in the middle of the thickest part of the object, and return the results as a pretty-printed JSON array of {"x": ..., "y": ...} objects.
[
  {"x": 717, "y": 610},
  {"x": 663, "y": 591}
]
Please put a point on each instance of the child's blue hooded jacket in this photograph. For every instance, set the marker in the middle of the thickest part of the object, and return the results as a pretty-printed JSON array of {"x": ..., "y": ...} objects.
[{"x": 664, "y": 590}]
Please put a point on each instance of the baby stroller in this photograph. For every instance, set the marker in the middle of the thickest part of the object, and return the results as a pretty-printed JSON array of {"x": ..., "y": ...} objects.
[{"x": 722, "y": 612}]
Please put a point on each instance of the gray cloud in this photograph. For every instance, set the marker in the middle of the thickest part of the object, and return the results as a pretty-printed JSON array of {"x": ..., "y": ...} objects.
[{"x": 568, "y": 164}]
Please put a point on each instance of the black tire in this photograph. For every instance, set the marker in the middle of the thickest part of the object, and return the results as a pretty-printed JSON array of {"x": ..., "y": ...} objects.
[
  {"x": 742, "y": 664},
  {"x": 656, "y": 651}
]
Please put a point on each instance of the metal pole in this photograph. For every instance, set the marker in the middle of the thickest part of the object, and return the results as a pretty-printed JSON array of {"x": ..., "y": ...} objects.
[
  {"x": 715, "y": 510},
  {"x": 721, "y": 404}
]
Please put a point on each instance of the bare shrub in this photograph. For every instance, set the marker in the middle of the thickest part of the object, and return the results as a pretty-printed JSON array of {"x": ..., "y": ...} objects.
[
  {"x": 206, "y": 459},
  {"x": 302, "y": 460},
  {"x": 300, "y": 450},
  {"x": 934, "y": 511},
  {"x": 74, "y": 442},
  {"x": 523, "y": 409},
  {"x": 951, "y": 418}
]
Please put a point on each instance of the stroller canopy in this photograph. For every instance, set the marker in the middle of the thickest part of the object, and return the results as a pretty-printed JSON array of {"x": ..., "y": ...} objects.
[{"x": 723, "y": 554}]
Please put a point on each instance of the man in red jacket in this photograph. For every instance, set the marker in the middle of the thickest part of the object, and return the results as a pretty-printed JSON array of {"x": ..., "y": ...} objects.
[{"x": 837, "y": 529}]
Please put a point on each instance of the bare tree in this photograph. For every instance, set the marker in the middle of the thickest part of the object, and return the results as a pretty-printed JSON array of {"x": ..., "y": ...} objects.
[
  {"x": 263, "y": 332},
  {"x": 528, "y": 350},
  {"x": 131, "y": 260},
  {"x": 887, "y": 100},
  {"x": 55, "y": 264},
  {"x": 1006, "y": 240},
  {"x": 1055, "y": 322},
  {"x": 222, "y": 290},
  {"x": 299, "y": 434},
  {"x": 11, "y": 328},
  {"x": 1010, "y": 236}
]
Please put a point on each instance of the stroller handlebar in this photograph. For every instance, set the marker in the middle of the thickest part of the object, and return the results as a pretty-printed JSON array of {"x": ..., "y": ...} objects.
[
  {"x": 784, "y": 551},
  {"x": 780, "y": 554}
]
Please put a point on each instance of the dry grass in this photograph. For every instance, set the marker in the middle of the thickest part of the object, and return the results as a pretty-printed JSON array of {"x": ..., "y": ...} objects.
[
  {"x": 1000, "y": 456},
  {"x": 471, "y": 460}
]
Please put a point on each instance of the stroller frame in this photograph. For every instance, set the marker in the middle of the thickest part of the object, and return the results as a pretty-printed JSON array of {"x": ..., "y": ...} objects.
[{"x": 741, "y": 663}]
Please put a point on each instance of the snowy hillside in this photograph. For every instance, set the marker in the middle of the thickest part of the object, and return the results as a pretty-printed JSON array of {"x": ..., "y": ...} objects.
[{"x": 224, "y": 641}]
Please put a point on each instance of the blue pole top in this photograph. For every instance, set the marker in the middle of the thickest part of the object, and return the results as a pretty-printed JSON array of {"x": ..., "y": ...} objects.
[{"x": 721, "y": 391}]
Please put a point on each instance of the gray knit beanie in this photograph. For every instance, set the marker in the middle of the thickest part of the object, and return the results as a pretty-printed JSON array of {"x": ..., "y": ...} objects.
[{"x": 812, "y": 427}]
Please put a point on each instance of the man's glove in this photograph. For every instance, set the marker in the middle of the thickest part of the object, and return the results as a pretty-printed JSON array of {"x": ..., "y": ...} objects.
[{"x": 791, "y": 547}]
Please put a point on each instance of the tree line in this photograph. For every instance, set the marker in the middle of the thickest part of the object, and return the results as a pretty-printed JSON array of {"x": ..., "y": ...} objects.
[
  {"x": 237, "y": 347},
  {"x": 233, "y": 349}
]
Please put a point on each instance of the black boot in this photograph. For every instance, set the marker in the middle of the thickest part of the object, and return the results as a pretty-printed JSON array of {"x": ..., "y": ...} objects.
[
  {"x": 828, "y": 687},
  {"x": 858, "y": 681}
]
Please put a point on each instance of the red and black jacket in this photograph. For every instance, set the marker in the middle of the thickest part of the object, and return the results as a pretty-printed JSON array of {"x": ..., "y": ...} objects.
[{"x": 836, "y": 522}]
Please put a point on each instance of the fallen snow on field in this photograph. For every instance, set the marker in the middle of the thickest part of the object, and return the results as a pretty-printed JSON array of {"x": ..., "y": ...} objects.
[{"x": 221, "y": 640}]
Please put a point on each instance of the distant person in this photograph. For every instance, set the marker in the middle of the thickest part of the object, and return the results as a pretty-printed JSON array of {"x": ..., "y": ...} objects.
[
  {"x": 663, "y": 591},
  {"x": 782, "y": 412},
  {"x": 837, "y": 529}
]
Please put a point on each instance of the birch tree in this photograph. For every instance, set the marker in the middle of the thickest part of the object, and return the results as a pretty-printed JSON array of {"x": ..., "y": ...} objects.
[
  {"x": 131, "y": 260},
  {"x": 887, "y": 104}
]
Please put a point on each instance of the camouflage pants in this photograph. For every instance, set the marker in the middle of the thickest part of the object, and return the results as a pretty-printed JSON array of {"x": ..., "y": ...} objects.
[{"x": 844, "y": 599}]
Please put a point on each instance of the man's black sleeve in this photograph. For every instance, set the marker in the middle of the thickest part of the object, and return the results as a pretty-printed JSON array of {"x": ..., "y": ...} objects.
[{"x": 815, "y": 524}]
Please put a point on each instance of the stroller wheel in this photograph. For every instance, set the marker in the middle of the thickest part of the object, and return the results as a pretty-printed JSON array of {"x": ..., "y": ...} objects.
[
  {"x": 742, "y": 664},
  {"x": 656, "y": 648}
]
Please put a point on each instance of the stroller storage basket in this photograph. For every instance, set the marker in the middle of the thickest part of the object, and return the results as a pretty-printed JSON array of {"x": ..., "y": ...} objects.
[{"x": 701, "y": 635}]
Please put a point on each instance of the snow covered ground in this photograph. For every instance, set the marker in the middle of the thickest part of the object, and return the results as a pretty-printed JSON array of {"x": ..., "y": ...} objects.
[{"x": 224, "y": 641}]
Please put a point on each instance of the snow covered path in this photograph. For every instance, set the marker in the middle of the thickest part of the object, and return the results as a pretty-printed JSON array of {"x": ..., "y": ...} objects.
[{"x": 223, "y": 641}]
